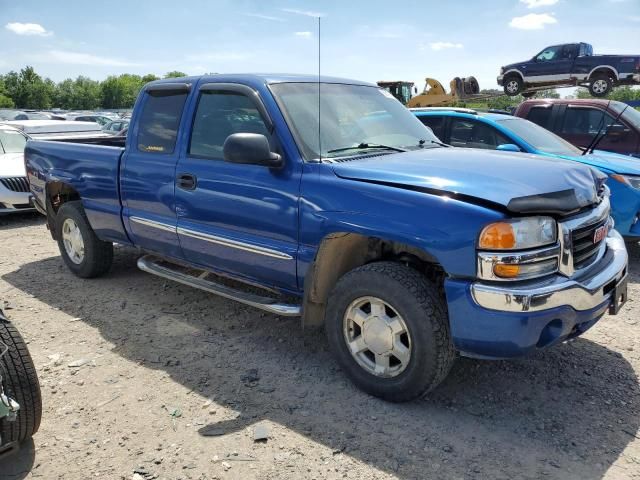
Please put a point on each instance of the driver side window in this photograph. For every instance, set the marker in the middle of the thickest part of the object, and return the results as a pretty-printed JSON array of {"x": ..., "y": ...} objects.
[
  {"x": 549, "y": 54},
  {"x": 473, "y": 134}
]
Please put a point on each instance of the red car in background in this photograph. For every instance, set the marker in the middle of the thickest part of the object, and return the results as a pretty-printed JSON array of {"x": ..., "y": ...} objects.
[{"x": 579, "y": 120}]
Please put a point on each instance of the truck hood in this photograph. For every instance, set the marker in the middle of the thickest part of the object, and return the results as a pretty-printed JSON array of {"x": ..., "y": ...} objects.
[
  {"x": 12, "y": 165},
  {"x": 517, "y": 183}
]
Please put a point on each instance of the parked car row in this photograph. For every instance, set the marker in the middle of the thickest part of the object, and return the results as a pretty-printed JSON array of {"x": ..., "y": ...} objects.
[
  {"x": 108, "y": 121},
  {"x": 406, "y": 250}
]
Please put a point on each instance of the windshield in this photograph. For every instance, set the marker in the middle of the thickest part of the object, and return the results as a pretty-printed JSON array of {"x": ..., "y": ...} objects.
[
  {"x": 538, "y": 137},
  {"x": 630, "y": 115},
  {"x": 12, "y": 141},
  {"x": 353, "y": 116}
]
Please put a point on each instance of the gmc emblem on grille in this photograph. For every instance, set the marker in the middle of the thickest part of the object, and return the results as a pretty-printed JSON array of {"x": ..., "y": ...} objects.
[{"x": 600, "y": 233}]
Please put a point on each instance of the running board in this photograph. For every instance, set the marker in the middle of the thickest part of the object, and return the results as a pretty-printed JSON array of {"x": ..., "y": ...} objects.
[{"x": 151, "y": 264}]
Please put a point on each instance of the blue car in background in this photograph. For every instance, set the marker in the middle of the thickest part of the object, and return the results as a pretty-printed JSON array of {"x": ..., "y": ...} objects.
[{"x": 495, "y": 131}]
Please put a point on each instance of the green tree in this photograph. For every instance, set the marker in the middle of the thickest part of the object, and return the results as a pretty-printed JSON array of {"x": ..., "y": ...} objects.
[
  {"x": 622, "y": 94},
  {"x": 5, "y": 100},
  {"x": 149, "y": 77},
  {"x": 175, "y": 74},
  {"x": 79, "y": 94},
  {"x": 27, "y": 89},
  {"x": 120, "y": 91}
]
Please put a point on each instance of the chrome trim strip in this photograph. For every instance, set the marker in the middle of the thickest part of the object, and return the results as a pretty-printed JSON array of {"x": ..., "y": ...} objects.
[
  {"x": 581, "y": 293},
  {"x": 147, "y": 264},
  {"x": 152, "y": 223},
  {"x": 247, "y": 247},
  {"x": 487, "y": 260}
]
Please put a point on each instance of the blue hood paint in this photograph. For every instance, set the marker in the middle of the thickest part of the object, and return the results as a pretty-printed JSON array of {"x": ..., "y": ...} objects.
[{"x": 497, "y": 177}]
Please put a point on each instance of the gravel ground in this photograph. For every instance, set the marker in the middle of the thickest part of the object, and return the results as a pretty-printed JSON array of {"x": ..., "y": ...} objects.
[{"x": 172, "y": 383}]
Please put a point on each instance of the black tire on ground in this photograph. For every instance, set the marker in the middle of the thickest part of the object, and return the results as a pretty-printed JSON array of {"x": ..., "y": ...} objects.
[
  {"x": 600, "y": 85},
  {"x": 20, "y": 382},
  {"x": 424, "y": 312},
  {"x": 513, "y": 85},
  {"x": 98, "y": 255}
]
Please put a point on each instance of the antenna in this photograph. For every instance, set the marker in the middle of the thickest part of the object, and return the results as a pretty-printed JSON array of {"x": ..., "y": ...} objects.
[{"x": 319, "y": 129}]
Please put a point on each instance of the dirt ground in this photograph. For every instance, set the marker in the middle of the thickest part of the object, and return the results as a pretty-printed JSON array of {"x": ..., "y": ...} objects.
[{"x": 144, "y": 379}]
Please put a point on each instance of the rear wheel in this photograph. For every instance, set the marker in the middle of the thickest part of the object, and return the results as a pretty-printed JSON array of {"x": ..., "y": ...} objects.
[
  {"x": 513, "y": 85},
  {"x": 20, "y": 382},
  {"x": 388, "y": 327},
  {"x": 600, "y": 86},
  {"x": 84, "y": 253}
]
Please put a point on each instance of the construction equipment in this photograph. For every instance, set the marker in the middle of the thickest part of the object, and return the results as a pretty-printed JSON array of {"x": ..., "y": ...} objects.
[
  {"x": 399, "y": 89},
  {"x": 434, "y": 94}
]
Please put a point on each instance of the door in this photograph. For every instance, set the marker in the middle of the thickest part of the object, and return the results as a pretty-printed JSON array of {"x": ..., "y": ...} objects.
[
  {"x": 468, "y": 133},
  {"x": 551, "y": 65},
  {"x": 237, "y": 218},
  {"x": 148, "y": 171}
]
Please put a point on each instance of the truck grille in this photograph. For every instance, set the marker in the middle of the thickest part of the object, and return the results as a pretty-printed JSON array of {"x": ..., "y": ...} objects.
[
  {"x": 16, "y": 184},
  {"x": 585, "y": 250}
]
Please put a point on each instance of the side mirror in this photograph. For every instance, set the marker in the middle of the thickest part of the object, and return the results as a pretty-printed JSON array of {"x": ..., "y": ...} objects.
[
  {"x": 250, "y": 148},
  {"x": 617, "y": 130},
  {"x": 508, "y": 147}
]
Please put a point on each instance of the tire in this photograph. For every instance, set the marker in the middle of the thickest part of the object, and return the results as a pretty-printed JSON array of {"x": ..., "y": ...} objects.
[
  {"x": 418, "y": 303},
  {"x": 96, "y": 256},
  {"x": 600, "y": 85},
  {"x": 513, "y": 85},
  {"x": 20, "y": 382}
]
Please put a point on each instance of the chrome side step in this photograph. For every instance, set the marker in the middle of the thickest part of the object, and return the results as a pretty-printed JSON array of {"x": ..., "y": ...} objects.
[{"x": 165, "y": 269}]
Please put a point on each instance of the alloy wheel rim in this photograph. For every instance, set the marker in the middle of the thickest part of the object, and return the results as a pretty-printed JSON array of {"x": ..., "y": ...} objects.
[
  {"x": 72, "y": 240},
  {"x": 512, "y": 86},
  {"x": 377, "y": 337},
  {"x": 599, "y": 86}
]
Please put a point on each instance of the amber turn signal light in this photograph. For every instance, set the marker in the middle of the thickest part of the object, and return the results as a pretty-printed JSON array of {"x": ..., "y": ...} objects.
[
  {"x": 503, "y": 270},
  {"x": 498, "y": 236}
]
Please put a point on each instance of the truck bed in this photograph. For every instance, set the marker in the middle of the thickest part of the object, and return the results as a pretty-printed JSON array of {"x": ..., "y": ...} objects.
[{"x": 90, "y": 166}]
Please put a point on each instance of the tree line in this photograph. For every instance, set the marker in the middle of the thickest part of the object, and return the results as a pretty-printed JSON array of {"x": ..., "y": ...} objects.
[{"x": 28, "y": 90}]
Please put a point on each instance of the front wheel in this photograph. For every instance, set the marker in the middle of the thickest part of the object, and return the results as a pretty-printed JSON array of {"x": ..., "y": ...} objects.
[
  {"x": 600, "y": 85},
  {"x": 388, "y": 327},
  {"x": 84, "y": 253}
]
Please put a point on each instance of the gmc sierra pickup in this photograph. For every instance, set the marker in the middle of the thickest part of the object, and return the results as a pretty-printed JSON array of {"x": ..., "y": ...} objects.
[
  {"x": 571, "y": 64},
  {"x": 329, "y": 200}
]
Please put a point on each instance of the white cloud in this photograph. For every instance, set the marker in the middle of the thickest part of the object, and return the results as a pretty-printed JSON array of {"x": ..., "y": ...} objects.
[
  {"x": 306, "y": 13},
  {"x": 303, "y": 34},
  {"x": 265, "y": 17},
  {"x": 533, "y": 21},
  {"x": 442, "y": 45},
  {"x": 28, "y": 29},
  {"x": 77, "y": 58},
  {"x": 538, "y": 3}
]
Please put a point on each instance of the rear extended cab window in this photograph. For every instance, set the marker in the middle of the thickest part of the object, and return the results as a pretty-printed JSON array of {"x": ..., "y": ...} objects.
[
  {"x": 159, "y": 121},
  {"x": 540, "y": 116}
]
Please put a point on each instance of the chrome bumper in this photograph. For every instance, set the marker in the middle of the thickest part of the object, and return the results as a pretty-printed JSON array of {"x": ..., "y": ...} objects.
[
  {"x": 584, "y": 292},
  {"x": 499, "y": 79}
]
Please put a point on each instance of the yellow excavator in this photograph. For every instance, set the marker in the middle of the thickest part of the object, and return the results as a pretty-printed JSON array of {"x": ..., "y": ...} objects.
[{"x": 434, "y": 94}]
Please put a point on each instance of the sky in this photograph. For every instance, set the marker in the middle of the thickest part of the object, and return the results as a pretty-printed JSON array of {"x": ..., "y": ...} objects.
[{"x": 362, "y": 39}]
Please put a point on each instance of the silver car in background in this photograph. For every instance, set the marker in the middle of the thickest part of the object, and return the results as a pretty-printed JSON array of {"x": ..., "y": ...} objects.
[{"x": 14, "y": 188}]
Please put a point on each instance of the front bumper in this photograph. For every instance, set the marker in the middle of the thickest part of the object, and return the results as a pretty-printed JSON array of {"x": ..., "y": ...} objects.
[
  {"x": 501, "y": 321},
  {"x": 13, "y": 202},
  {"x": 500, "y": 79}
]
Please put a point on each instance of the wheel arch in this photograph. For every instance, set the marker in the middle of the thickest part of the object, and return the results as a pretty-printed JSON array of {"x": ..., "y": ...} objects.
[
  {"x": 57, "y": 193},
  {"x": 513, "y": 72},
  {"x": 341, "y": 252},
  {"x": 607, "y": 69}
]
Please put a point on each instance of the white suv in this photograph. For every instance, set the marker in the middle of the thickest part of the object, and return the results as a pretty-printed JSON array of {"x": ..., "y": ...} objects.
[{"x": 14, "y": 187}]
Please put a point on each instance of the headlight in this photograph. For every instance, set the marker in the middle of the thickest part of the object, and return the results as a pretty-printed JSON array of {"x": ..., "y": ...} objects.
[
  {"x": 630, "y": 180},
  {"x": 518, "y": 249},
  {"x": 519, "y": 234}
]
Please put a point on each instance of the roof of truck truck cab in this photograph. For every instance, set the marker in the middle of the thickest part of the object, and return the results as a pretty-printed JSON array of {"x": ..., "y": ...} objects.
[{"x": 264, "y": 78}]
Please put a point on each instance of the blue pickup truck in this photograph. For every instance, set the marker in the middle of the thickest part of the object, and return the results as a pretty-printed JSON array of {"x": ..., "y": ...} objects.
[
  {"x": 571, "y": 64},
  {"x": 330, "y": 201}
]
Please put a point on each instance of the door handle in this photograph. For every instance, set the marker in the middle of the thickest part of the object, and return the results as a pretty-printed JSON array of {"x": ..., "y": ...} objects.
[{"x": 186, "y": 181}]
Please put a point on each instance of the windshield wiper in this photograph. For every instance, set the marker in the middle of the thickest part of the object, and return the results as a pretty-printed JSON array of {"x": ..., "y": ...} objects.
[
  {"x": 367, "y": 146},
  {"x": 434, "y": 142}
]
